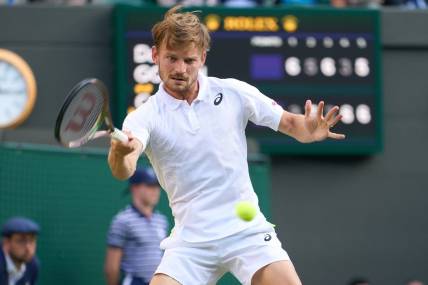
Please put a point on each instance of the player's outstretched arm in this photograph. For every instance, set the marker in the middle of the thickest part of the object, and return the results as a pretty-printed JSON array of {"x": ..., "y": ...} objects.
[
  {"x": 123, "y": 157},
  {"x": 311, "y": 128}
]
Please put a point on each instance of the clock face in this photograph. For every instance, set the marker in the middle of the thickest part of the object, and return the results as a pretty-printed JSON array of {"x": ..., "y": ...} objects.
[
  {"x": 17, "y": 89},
  {"x": 13, "y": 93}
]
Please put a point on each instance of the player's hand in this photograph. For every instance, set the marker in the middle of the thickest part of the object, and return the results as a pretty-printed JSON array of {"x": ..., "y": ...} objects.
[
  {"x": 319, "y": 126},
  {"x": 124, "y": 148}
]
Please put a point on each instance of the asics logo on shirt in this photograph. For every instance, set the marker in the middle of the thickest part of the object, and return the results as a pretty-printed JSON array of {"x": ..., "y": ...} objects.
[{"x": 218, "y": 99}]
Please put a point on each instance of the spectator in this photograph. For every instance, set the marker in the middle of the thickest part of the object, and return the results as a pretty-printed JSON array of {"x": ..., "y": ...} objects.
[
  {"x": 186, "y": 3},
  {"x": 357, "y": 3},
  {"x": 414, "y": 282},
  {"x": 127, "y": 2},
  {"x": 135, "y": 233},
  {"x": 52, "y": 2},
  {"x": 61, "y": 2},
  {"x": 12, "y": 2},
  {"x": 18, "y": 264},
  {"x": 416, "y": 4},
  {"x": 242, "y": 3}
]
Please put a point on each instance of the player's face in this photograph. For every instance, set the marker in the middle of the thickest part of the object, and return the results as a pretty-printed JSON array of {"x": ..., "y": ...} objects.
[
  {"x": 178, "y": 68},
  {"x": 148, "y": 194},
  {"x": 21, "y": 247}
]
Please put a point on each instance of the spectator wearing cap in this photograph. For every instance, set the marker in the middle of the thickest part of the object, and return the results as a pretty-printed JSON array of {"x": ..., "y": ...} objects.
[
  {"x": 135, "y": 233},
  {"x": 18, "y": 264},
  {"x": 414, "y": 282}
]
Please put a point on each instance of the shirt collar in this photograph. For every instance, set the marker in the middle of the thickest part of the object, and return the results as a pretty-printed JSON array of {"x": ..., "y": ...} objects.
[
  {"x": 137, "y": 211},
  {"x": 12, "y": 271},
  {"x": 174, "y": 103}
]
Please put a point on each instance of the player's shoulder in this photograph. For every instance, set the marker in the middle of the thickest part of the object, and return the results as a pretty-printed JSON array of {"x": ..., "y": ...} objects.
[
  {"x": 158, "y": 214},
  {"x": 124, "y": 215},
  {"x": 34, "y": 264},
  {"x": 160, "y": 217},
  {"x": 231, "y": 84},
  {"x": 151, "y": 103},
  {"x": 146, "y": 110}
]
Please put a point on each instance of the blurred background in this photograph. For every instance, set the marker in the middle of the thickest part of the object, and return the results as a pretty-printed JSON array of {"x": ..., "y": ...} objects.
[{"x": 355, "y": 208}]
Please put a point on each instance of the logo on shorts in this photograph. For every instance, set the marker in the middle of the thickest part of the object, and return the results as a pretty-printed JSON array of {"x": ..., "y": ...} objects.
[
  {"x": 218, "y": 99},
  {"x": 268, "y": 237}
]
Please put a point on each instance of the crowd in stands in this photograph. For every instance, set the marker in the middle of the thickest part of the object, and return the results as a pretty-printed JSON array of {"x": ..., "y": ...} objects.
[
  {"x": 366, "y": 281},
  {"x": 411, "y": 4}
]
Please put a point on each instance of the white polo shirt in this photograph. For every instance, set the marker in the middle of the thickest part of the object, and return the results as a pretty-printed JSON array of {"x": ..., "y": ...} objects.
[{"x": 199, "y": 153}]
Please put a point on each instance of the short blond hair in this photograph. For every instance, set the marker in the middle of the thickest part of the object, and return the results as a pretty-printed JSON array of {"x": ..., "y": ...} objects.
[{"x": 180, "y": 29}]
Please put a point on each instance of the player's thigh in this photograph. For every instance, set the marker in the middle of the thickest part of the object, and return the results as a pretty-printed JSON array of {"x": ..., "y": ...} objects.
[
  {"x": 163, "y": 279},
  {"x": 190, "y": 265},
  {"x": 278, "y": 273}
]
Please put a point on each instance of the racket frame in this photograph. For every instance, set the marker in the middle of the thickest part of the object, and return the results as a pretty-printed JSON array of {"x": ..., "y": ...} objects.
[{"x": 103, "y": 118}]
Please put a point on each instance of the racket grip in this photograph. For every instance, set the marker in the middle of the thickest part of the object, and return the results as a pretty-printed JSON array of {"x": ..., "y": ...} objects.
[{"x": 119, "y": 135}]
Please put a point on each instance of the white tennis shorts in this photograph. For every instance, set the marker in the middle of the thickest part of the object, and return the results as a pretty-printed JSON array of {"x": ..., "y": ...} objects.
[{"x": 242, "y": 254}]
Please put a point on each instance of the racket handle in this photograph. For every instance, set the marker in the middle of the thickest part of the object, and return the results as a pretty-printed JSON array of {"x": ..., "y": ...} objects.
[{"x": 119, "y": 135}]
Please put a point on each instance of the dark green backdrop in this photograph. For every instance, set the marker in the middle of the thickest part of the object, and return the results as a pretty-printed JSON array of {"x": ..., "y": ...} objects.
[{"x": 73, "y": 196}]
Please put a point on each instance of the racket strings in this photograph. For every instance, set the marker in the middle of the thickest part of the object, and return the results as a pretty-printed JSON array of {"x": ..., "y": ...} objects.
[
  {"x": 84, "y": 115},
  {"x": 89, "y": 124},
  {"x": 93, "y": 118}
]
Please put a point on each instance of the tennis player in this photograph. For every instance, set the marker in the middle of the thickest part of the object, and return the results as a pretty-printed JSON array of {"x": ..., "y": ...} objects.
[{"x": 193, "y": 132}]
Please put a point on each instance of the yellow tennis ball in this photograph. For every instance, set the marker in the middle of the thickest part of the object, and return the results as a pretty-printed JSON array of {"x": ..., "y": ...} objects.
[{"x": 245, "y": 210}]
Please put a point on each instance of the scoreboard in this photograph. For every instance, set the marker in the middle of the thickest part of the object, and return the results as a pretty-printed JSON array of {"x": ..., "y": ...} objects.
[{"x": 289, "y": 54}]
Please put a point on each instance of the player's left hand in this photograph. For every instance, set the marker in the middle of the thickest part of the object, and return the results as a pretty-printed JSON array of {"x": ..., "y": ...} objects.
[{"x": 319, "y": 126}]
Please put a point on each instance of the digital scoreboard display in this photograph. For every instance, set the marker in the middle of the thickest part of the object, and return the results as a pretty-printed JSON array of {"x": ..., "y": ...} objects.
[{"x": 289, "y": 54}]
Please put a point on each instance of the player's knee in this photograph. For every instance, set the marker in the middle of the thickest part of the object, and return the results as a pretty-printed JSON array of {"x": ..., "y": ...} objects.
[
  {"x": 278, "y": 273},
  {"x": 297, "y": 282}
]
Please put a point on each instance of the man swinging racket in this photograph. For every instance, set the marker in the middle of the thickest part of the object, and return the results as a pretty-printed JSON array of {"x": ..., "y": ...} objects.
[{"x": 193, "y": 132}]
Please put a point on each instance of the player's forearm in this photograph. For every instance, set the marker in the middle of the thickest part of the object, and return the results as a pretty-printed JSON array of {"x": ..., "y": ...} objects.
[
  {"x": 112, "y": 276},
  {"x": 294, "y": 126},
  {"x": 122, "y": 167}
]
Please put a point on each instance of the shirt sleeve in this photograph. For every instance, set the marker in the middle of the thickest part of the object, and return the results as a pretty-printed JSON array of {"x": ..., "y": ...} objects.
[
  {"x": 139, "y": 123},
  {"x": 34, "y": 268},
  {"x": 117, "y": 233},
  {"x": 258, "y": 108}
]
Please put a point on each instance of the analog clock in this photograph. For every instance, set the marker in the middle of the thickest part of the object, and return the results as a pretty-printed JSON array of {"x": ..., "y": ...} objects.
[{"x": 17, "y": 90}]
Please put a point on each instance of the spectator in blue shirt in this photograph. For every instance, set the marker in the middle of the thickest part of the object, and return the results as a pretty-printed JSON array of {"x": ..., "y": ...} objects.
[
  {"x": 135, "y": 234},
  {"x": 18, "y": 264}
]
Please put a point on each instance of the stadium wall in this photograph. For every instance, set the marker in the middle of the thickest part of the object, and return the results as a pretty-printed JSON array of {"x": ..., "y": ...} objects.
[
  {"x": 73, "y": 197},
  {"x": 365, "y": 216}
]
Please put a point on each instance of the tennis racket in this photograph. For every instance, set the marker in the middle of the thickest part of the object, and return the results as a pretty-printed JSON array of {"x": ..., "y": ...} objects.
[{"x": 85, "y": 115}]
